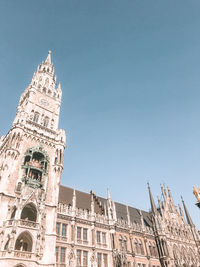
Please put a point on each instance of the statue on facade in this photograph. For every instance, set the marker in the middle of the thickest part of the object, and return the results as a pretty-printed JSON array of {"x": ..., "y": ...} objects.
[{"x": 196, "y": 193}]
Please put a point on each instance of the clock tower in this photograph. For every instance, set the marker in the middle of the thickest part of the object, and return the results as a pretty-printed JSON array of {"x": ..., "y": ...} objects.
[{"x": 31, "y": 163}]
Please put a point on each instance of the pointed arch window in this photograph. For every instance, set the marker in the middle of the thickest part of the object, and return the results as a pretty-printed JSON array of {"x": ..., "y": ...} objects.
[
  {"x": 24, "y": 242},
  {"x": 29, "y": 213}
]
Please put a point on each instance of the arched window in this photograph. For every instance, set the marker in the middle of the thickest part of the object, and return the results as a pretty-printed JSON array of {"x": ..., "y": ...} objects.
[
  {"x": 24, "y": 242},
  {"x": 125, "y": 243},
  {"x": 120, "y": 243},
  {"x": 136, "y": 246},
  {"x": 46, "y": 121},
  {"x": 36, "y": 117},
  {"x": 154, "y": 250},
  {"x": 13, "y": 213},
  {"x": 29, "y": 213},
  {"x": 141, "y": 247},
  {"x": 7, "y": 243},
  {"x": 150, "y": 249}
]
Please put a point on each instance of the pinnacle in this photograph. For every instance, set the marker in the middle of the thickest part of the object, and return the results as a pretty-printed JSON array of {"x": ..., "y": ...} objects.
[{"x": 48, "y": 59}]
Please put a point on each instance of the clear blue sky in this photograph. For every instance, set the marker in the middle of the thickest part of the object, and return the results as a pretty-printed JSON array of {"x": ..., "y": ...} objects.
[{"x": 130, "y": 74}]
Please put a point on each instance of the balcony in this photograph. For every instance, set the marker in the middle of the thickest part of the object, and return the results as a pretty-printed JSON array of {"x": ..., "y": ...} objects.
[
  {"x": 17, "y": 254},
  {"x": 22, "y": 223},
  {"x": 23, "y": 254}
]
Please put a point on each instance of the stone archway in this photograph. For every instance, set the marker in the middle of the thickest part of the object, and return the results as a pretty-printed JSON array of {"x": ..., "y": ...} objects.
[
  {"x": 29, "y": 213},
  {"x": 24, "y": 242}
]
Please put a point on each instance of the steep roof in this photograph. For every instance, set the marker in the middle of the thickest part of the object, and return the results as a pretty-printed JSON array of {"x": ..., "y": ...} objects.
[{"x": 83, "y": 201}]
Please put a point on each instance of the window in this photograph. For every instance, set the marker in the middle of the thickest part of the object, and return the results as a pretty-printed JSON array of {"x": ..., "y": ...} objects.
[
  {"x": 84, "y": 234},
  {"x": 24, "y": 242},
  {"x": 58, "y": 228},
  {"x": 85, "y": 258},
  {"x": 101, "y": 237},
  {"x": 98, "y": 237},
  {"x": 36, "y": 117},
  {"x": 64, "y": 230},
  {"x": 78, "y": 233},
  {"x": 141, "y": 247},
  {"x": 57, "y": 251},
  {"x": 46, "y": 121},
  {"x": 78, "y": 258},
  {"x": 81, "y": 258},
  {"x": 125, "y": 243},
  {"x": 62, "y": 255},
  {"x": 29, "y": 213},
  {"x": 105, "y": 260},
  {"x": 136, "y": 246},
  {"x": 120, "y": 242},
  {"x": 99, "y": 260},
  {"x": 104, "y": 238}
]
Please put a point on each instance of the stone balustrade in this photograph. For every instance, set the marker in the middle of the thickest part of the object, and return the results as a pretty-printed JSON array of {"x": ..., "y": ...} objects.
[
  {"x": 23, "y": 223},
  {"x": 17, "y": 254}
]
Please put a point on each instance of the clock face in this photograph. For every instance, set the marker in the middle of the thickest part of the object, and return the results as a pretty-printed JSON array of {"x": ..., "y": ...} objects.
[{"x": 44, "y": 102}]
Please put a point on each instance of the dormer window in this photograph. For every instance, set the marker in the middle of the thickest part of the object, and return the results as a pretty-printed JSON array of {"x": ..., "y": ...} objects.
[{"x": 35, "y": 167}]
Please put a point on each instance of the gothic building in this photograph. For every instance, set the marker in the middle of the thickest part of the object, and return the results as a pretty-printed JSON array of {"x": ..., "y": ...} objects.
[{"x": 45, "y": 224}]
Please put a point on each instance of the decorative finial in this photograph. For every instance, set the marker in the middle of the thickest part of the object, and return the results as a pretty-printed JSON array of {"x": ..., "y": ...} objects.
[{"x": 108, "y": 194}]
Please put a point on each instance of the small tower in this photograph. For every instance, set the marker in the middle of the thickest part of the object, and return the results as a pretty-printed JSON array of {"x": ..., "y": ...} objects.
[{"x": 31, "y": 160}]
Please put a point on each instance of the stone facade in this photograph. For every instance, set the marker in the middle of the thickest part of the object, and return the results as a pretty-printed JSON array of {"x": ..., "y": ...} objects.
[{"x": 45, "y": 224}]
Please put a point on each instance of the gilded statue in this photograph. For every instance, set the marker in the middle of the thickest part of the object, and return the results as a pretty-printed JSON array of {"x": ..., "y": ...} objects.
[{"x": 196, "y": 193}]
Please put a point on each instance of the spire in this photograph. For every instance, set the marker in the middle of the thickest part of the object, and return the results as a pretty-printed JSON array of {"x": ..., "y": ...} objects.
[
  {"x": 189, "y": 220},
  {"x": 153, "y": 206},
  {"x": 74, "y": 200},
  {"x": 108, "y": 194},
  {"x": 169, "y": 193},
  {"x": 92, "y": 203},
  {"x": 128, "y": 215},
  {"x": 48, "y": 59},
  {"x": 163, "y": 191},
  {"x": 59, "y": 87},
  {"x": 141, "y": 219}
]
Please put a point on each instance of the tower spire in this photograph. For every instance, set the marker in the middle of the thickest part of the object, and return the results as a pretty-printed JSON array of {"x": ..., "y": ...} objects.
[
  {"x": 48, "y": 59},
  {"x": 189, "y": 220},
  {"x": 153, "y": 205}
]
